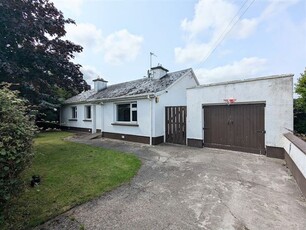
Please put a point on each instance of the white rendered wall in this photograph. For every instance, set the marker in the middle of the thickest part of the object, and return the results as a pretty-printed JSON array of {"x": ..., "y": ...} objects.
[
  {"x": 176, "y": 96},
  {"x": 66, "y": 115},
  {"x": 98, "y": 116},
  {"x": 298, "y": 157},
  {"x": 108, "y": 116},
  {"x": 277, "y": 93}
]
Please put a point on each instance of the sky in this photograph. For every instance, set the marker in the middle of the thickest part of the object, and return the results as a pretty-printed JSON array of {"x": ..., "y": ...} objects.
[{"x": 222, "y": 40}]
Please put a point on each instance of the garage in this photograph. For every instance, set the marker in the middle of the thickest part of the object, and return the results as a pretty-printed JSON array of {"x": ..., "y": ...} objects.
[
  {"x": 248, "y": 115},
  {"x": 237, "y": 127}
]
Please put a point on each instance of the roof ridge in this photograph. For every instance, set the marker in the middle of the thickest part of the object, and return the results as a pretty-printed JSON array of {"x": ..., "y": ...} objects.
[
  {"x": 180, "y": 70},
  {"x": 145, "y": 78},
  {"x": 129, "y": 88}
]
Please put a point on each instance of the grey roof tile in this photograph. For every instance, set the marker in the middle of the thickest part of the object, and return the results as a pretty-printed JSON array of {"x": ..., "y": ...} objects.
[
  {"x": 80, "y": 97},
  {"x": 130, "y": 88}
]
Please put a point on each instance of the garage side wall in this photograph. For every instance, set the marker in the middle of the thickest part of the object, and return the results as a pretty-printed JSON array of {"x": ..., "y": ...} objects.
[{"x": 275, "y": 92}]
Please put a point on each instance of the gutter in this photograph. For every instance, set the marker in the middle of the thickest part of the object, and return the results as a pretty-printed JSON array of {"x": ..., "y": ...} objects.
[{"x": 114, "y": 99}]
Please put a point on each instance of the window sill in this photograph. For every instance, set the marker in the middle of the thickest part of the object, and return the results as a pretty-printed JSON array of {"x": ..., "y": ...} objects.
[
  {"x": 87, "y": 120},
  {"x": 72, "y": 119},
  {"x": 125, "y": 124}
]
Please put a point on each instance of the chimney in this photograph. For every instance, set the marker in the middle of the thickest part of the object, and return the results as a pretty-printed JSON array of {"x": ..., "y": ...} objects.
[
  {"x": 99, "y": 84},
  {"x": 158, "y": 72}
]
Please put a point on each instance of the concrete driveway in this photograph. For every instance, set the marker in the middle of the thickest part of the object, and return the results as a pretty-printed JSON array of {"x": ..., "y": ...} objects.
[{"x": 188, "y": 188}]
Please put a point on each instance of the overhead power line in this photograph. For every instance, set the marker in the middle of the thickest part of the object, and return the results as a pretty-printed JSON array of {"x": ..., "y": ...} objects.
[{"x": 228, "y": 29}]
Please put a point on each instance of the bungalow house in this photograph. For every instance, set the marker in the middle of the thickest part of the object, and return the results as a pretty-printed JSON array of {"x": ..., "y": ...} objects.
[
  {"x": 247, "y": 115},
  {"x": 132, "y": 111}
]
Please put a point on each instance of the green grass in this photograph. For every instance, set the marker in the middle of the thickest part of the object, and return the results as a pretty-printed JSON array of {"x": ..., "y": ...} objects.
[{"x": 71, "y": 174}]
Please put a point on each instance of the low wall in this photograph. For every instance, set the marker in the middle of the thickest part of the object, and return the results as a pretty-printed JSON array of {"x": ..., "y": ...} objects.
[{"x": 295, "y": 157}]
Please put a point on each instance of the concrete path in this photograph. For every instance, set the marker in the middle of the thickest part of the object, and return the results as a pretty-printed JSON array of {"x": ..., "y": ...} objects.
[{"x": 179, "y": 187}]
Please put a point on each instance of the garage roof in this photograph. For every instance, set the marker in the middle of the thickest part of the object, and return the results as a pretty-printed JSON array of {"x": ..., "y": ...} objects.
[{"x": 245, "y": 80}]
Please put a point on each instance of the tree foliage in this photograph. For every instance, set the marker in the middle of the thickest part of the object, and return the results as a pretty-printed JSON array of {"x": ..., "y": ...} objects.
[
  {"x": 300, "y": 89},
  {"x": 16, "y": 134},
  {"x": 34, "y": 53},
  {"x": 300, "y": 105}
]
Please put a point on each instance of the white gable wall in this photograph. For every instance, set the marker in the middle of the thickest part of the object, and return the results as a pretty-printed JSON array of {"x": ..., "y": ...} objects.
[
  {"x": 276, "y": 92},
  {"x": 175, "y": 95}
]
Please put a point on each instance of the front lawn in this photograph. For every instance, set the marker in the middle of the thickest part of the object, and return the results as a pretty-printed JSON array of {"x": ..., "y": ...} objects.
[{"x": 71, "y": 174}]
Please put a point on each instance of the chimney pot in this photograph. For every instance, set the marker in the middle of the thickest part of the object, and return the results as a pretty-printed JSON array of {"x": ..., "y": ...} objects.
[
  {"x": 99, "y": 84},
  {"x": 158, "y": 72}
]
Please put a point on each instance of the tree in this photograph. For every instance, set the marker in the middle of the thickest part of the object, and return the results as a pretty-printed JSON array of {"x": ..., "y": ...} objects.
[
  {"x": 300, "y": 105},
  {"x": 300, "y": 89},
  {"x": 16, "y": 135},
  {"x": 34, "y": 53}
]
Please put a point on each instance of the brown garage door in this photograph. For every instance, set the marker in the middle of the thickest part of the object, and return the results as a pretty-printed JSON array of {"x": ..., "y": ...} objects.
[
  {"x": 236, "y": 127},
  {"x": 176, "y": 124}
]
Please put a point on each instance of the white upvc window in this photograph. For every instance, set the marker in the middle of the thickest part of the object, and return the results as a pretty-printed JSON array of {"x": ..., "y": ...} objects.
[
  {"x": 87, "y": 112},
  {"x": 74, "y": 112},
  {"x": 126, "y": 112}
]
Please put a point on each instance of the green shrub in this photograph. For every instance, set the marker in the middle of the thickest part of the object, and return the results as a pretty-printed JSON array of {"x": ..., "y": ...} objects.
[
  {"x": 300, "y": 122},
  {"x": 16, "y": 134},
  {"x": 299, "y": 116}
]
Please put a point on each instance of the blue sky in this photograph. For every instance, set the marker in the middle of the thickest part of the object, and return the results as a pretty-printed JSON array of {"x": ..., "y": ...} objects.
[{"x": 117, "y": 36}]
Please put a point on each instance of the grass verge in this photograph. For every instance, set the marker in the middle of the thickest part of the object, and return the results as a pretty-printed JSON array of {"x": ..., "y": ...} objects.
[{"x": 71, "y": 174}]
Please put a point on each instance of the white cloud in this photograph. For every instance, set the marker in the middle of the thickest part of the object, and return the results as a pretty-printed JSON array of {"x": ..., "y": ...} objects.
[
  {"x": 90, "y": 73},
  {"x": 121, "y": 46},
  {"x": 244, "y": 28},
  {"x": 275, "y": 7},
  {"x": 245, "y": 68},
  {"x": 117, "y": 47},
  {"x": 209, "y": 15},
  {"x": 192, "y": 51},
  {"x": 73, "y": 6},
  {"x": 86, "y": 35},
  {"x": 213, "y": 20}
]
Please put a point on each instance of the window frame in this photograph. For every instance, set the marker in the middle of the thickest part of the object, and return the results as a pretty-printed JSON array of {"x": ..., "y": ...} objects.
[
  {"x": 74, "y": 112},
  {"x": 131, "y": 108},
  {"x": 86, "y": 112}
]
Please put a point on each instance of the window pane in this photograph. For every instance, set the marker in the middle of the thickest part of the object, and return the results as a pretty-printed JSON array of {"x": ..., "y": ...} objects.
[
  {"x": 74, "y": 112},
  {"x": 88, "y": 112},
  {"x": 134, "y": 115},
  {"x": 123, "y": 112},
  {"x": 134, "y": 105}
]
